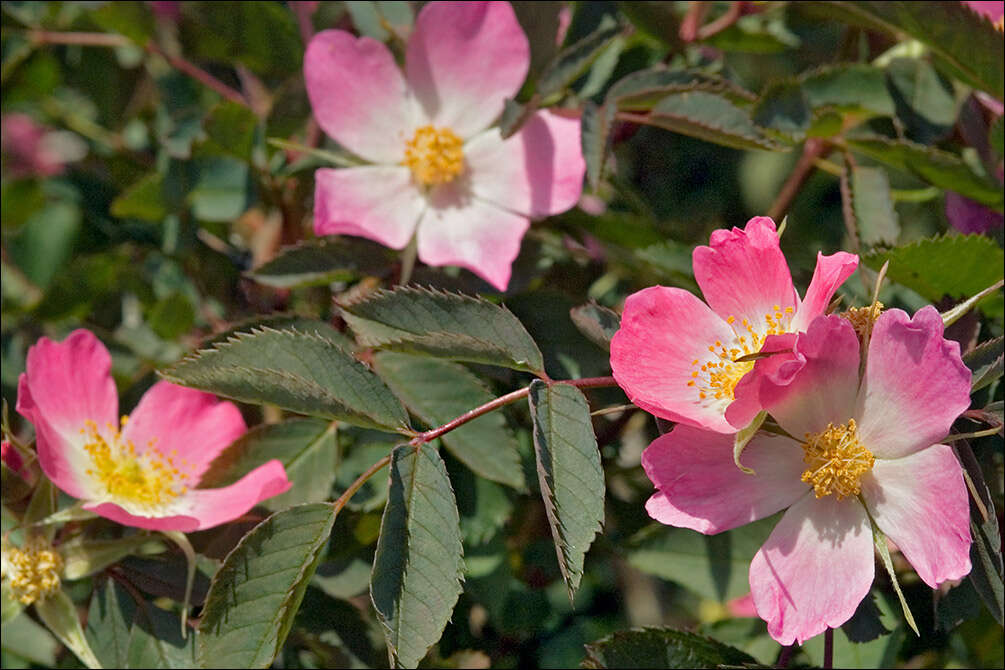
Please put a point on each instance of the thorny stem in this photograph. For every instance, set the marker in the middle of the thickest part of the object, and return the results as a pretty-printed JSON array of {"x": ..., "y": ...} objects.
[
  {"x": 113, "y": 40},
  {"x": 812, "y": 150},
  {"x": 356, "y": 485},
  {"x": 501, "y": 401}
]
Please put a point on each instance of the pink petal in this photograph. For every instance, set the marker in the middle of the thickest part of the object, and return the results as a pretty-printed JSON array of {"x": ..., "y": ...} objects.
[
  {"x": 915, "y": 384},
  {"x": 379, "y": 203},
  {"x": 663, "y": 330},
  {"x": 744, "y": 274},
  {"x": 359, "y": 95},
  {"x": 215, "y": 506},
  {"x": 815, "y": 568},
  {"x": 920, "y": 502},
  {"x": 991, "y": 10},
  {"x": 814, "y": 385},
  {"x": 464, "y": 59},
  {"x": 178, "y": 420},
  {"x": 204, "y": 508},
  {"x": 831, "y": 271},
  {"x": 66, "y": 384},
  {"x": 699, "y": 487},
  {"x": 471, "y": 233},
  {"x": 536, "y": 172}
]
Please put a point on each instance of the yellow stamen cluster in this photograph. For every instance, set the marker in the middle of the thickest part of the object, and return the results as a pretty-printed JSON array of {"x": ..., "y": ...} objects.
[
  {"x": 862, "y": 319},
  {"x": 33, "y": 570},
  {"x": 837, "y": 461},
  {"x": 717, "y": 378},
  {"x": 435, "y": 155},
  {"x": 147, "y": 478}
]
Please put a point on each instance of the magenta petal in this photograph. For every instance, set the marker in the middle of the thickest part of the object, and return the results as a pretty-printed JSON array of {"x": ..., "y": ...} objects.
[
  {"x": 815, "y": 385},
  {"x": 815, "y": 568},
  {"x": 831, "y": 271},
  {"x": 180, "y": 522},
  {"x": 663, "y": 330},
  {"x": 66, "y": 384},
  {"x": 472, "y": 234},
  {"x": 463, "y": 60},
  {"x": 180, "y": 421},
  {"x": 215, "y": 506},
  {"x": 699, "y": 487},
  {"x": 743, "y": 272},
  {"x": 358, "y": 95},
  {"x": 920, "y": 502},
  {"x": 914, "y": 387},
  {"x": 380, "y": 203},
  {"x": 536, "y": 172}
]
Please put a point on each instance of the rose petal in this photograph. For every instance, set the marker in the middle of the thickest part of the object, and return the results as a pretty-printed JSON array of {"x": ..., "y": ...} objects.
[
  {"x": 813, "y": 386},
  {"x": 920, "y": 502},
  {"x": 359, "y": 96},
  {"x": 663, "y": 330},
  {"x": 744, "y": 274},
  {"x": 831, "y": 272},
  {"x": 815, "y": 568},
  {"x": 914, "y": 387},
  {"x": 463, "y": 60},
  {"x": 380, "y": 203},
  {"x": 191, "y": 424},
  {"x": 462, "y": 230},
  {"x": 66, "y": 384},
  {"x": 699, "y": 487},
  {"x": 536, "y": 172}
]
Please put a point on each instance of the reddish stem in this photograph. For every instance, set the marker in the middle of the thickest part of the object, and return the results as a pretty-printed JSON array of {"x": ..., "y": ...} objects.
[{"x": 812, "y": 150}]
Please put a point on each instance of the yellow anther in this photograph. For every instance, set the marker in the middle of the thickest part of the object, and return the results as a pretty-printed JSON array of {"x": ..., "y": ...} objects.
[
  {"x": 33, "y": 570},
  {"x": 435, "y": 155},
  {"x": 836, "y": 460},
  {"x": 148, "y": 479},
  {"x": 862, "y": 319}
]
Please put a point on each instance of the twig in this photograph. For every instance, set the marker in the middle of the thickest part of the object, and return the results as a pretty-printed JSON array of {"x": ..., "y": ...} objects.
[
  {"x": 829, "y": 648},
  {"x": 356, "y": 485},
  {"x": 731, "y": 16},
  {"x": 812, "y": 150}
]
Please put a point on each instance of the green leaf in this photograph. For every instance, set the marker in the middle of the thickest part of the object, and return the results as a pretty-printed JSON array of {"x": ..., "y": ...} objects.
[
  {"x": 306, "y": 373},
  {"x": 256, "y": 592},
  {"x": 83, "y": 556},
  {"x": 27, "y": 639},
  {"x": 155, "y": 640},
  {"x": 483, "y": 505},
  {"x": 375, "y": 19},
  {"x": 597, "y": 323},
  {"x": 445, "y": 325},
  {"x": 230, "y": 131},
  {"x": 925, "y": 102},
  {"x": 996, "y": 136},
  {"x": 713, "y": 566},
  {"x": 743, "y": 437},
  {"x": 954, "y": 265},
  {"x": 987, "y": 362},
  {"x": 439, "y": 391},
  {"x": 964, "y": 42},
  {"x": 852, "y": 649},
  {"x": 280, "y": 321},
  {"x": 59, "y": 615},
  {"x": 307, "y": 448},
  {"x": 879, "y": 541},
  {"x": 172, "y": 316},
  {"x": 321, "y": 261},
  {"x": 856, "y": 88},
  {"x": 872, "y": 205},
  {"x": 143, "y": 200},
  {"x": 132, "y": 19},
  {"x": 712, "y": 118},
  {"x": 222, "y": 192},
  {"x": 595, "y": 129},
  {"x": 784, "y": 106},
  {"x": 418, "y": 566},
  {"x": 988, "y": 573},
  {"x": 642, "y": 90},
  {"x": 661, "y": 648},
  {"x": 10, "y": 607},
  {"x": 934, "y": 166},
  {"x": 572, "y": 61},
  {"x": 569, "y": 473},
  {"x": 108, "y": 622}
]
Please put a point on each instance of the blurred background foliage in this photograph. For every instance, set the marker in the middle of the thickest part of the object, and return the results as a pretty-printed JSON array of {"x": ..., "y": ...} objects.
[{"x": 157, "y": 182}]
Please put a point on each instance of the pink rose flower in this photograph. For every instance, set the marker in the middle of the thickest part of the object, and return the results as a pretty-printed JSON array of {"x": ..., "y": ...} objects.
[
  {"x": 993, "y": 11},
  {"x": 860, "y": 450},
  {"x": 25, "y": 150},
  {"x": 145, "y": 472},
  {"x": 674, "y": 356},
  {"x": 438, "y": 171}
]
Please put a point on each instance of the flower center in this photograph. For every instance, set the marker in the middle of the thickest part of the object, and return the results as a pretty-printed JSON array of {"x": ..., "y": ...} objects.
[
  {"x": 33, "y": 570},
  {"x": 716, "y": 375},
  {"x": 862, "y": 319},
  {"x": 837, "y": 461},
  {"x": 147, "y": 478},
  {"x": 435, "y": 155}
]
